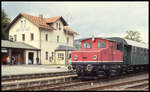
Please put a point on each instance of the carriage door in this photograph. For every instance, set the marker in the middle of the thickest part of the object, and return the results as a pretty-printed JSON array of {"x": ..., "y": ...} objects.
[{"x": 125, "y": 57}]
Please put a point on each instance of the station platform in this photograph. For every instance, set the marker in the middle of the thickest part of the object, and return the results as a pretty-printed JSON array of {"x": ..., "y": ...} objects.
[{"x": 31, "y": 69}]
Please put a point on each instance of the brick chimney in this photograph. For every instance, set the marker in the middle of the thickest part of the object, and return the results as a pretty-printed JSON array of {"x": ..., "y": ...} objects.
[{"x": 41, "y": 16}]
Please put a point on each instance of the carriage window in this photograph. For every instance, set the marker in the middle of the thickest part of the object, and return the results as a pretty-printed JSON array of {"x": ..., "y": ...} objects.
[
  {"x": 142, "y": 51},
  {"x": 101, "y": 44},
  {"x": 145, "y": 52},
  {"x": 87, "y": 45},
  {"x": 134, "y": 50}
]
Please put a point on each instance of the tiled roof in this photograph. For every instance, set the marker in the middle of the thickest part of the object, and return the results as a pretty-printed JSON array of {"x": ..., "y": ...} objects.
[
  {"x": 37, "y": 21},
  {"x": 20, "y": 45},
  {"x": 52, "y": 19},
  {"x": 42, "y": 23},
  {"x": 68, "y": 29}
]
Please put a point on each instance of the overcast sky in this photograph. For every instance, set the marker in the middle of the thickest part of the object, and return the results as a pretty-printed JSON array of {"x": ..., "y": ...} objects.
[{"x": 90, "y": 18}]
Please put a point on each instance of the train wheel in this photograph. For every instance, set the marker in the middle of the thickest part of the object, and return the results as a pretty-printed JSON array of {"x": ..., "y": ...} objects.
[
  {"x": 130, "y": 70},
  {"x": 136, "y": 69},
  {"x": 112, "y": 73},
  {"x": 102, "y": 74},
  {"x": 123, "y": 71}
]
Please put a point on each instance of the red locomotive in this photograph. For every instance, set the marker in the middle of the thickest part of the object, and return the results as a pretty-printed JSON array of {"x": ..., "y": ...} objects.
[{"x": 101, "y": 57}]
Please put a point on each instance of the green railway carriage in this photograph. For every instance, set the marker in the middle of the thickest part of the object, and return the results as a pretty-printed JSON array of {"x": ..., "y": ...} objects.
[{"x": 134, "y": 53}]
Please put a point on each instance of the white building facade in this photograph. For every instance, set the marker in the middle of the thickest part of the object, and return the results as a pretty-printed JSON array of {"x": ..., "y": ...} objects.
[{"x": 45, "y": 34}]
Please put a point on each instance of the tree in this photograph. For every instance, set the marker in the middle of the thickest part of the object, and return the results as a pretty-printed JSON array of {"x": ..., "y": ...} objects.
[
  {"x": 5, "y": 21},
  {"x": 133, "y": 35}
]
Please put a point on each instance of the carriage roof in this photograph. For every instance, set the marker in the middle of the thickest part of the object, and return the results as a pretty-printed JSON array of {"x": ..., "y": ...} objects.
[{"x": 129, "y": 42}]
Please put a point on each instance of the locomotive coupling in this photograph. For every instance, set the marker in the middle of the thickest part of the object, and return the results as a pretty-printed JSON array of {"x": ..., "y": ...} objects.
[{"x": 89, "y": 67}]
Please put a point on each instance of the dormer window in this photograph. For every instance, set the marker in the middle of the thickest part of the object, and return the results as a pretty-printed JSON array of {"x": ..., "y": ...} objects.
[
  {"x": 59, "y": 27},
  {"x": 49, "y": 24},
  {"x": 24, "y": 23},
  {"x": 21, "y": 24}
]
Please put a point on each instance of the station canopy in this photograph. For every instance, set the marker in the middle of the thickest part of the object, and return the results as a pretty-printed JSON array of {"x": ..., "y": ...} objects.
[
  {"x": 19, "y": 45},
  {"x": 64, "y": 48}
]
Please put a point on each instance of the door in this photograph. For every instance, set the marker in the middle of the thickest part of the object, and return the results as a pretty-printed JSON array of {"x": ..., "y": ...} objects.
[
  {"x": 126, "y": 54},
  {"x": 30, "y": 58}
]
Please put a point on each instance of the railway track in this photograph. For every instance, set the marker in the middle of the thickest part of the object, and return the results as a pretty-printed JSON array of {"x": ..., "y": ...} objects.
[
  {"x": 111, "y": 86},
  {"x": 68, "y": 85},
  {"x": 80, "y": 85},
  {"x": 33, "y": 76},
  {"x": 28, "y": 83},
  {"x": 46, "y": 86},
  {"x": 144, "y": 85}
]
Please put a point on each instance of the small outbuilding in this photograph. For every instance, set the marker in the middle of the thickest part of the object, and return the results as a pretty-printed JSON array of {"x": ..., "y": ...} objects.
[{"x": 63, "y": 54}]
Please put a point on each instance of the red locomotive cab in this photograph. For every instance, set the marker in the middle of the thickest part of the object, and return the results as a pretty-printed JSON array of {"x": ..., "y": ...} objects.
[
  {"x": 90, "y": 50},
  {"x": 97, "y": 50},
  {"x": 95, "y": 57}
]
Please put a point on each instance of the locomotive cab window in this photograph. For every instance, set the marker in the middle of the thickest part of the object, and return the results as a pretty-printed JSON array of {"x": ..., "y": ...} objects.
[
  {"x": 101, "y": 44},
  {"x": 87, "y": 45}
]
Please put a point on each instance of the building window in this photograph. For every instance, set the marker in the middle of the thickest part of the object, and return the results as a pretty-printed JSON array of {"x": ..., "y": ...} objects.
[
  {"x": 101, "y": 44},
  {"x": 87, "y": 45},
  {"x": 21, "y": 25},
  {"x": 23, "y": 37},
  {"x": 52, "y": 55},
  {"x": 61, "y": 56},
  {"x": 15, "y": 37},
  {"x": 32, "y": 36},
  {"x": 59, "y": 27},
  {"x": 24, "y": 23},
  {"x": 67, "y": 39},
  {"x": 46, "y": 37},
  {"x": 46, "y": 55},
  {"x": 57, "y": 38}
]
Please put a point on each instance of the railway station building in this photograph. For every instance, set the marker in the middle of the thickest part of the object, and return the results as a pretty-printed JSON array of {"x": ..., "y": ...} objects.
[
  {"x": 45, "y": 35},
  {"x": 22, "y": 52}
]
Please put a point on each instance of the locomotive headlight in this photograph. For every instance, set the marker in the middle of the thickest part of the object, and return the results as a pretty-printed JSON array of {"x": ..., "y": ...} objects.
[
  {"x": 75, "y": 57},
  {"x": 94, "y": 57}
]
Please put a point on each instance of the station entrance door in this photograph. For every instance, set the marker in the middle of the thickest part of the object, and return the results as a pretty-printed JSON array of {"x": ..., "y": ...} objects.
[{"x": 30, "y": 58}]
